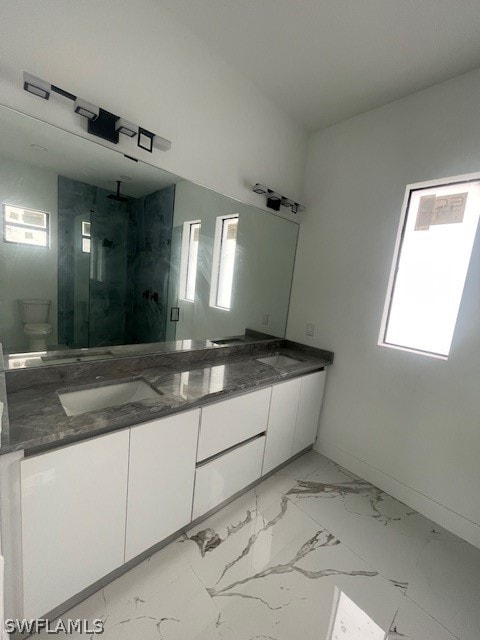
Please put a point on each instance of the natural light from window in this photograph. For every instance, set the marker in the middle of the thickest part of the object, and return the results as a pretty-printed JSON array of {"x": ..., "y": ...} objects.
[
  {"x": 86, "y": 236},
  {"x": 431, "y": 262},
  {"x": 350, "y": 622},
  {"x": 224, "y": 250},
  {"x": 189, "y": 259},
  {"x": 25, "y": 226}
]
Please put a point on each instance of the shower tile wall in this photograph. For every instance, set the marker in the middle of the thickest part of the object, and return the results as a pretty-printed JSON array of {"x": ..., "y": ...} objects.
[
  {"x": 75, "y": 201},
  {"x": 149, "y": 265},
  {"x": 108, "y": 271},
  {"x": 108, "y": 297}
]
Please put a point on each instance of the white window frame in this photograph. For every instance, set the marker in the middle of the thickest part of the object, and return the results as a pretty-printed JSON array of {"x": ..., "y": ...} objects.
[
  {"x": 20, "y": 225},
  {"x": 217, "y": 255},
  {"x": 86, "y": 236},
  {"x": 185, "y": 257},
  {"x": 441, "y": 182}
]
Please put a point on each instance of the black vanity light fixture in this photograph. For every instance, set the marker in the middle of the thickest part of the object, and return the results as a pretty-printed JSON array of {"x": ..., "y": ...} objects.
[
  {"x": 35, "y": 85},
  {"x": 275, "y": 200},
  {"x": 86, "y": 109},
  {"x": 101, "y": 123},
  {"x": 126, "y": 127},
  {"x": 145, "y": 139}
]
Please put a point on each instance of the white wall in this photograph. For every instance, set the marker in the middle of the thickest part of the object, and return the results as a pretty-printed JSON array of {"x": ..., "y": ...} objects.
[
  {"x": 26, "y": 271},
  {"x": 135, "y": 60},
  {"x": 409, "y": 423}
]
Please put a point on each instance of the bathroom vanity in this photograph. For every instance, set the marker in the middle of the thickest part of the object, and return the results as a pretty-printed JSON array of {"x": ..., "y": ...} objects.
[
  {"x": 86, "y": 494},
  {"x": 127, "y": 420}
]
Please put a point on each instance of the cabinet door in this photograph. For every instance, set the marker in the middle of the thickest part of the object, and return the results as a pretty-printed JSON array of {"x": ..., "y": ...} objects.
[
  {"x": 281, "y": 423},
  {"x": 230, "y": 422},
  {"x": 222, "y": 477},
  {"x": 161, "y": 477},
  {"x": 309, "y": 405},
  {"x": 73, "y": 519}
]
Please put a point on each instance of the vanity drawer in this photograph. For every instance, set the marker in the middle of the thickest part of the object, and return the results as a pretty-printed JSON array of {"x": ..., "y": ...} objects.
[
  {"x": 232, "y": 421},
  {"x": 221, "y": 478}
]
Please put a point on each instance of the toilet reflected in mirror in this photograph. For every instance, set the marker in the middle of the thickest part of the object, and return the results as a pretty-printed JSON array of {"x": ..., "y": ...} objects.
[
  {"x": 84, "y": 265},
  {"x": 34, "y": 314}
]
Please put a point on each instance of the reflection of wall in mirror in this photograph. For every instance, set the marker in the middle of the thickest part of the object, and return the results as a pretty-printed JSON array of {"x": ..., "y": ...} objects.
[
  {"x": 263, "y": 267},
  {"x": 26, "y": 271}
]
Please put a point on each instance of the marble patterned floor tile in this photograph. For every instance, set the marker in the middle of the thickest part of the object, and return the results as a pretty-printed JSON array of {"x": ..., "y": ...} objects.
[
  {"x": 313, "y": 552},
  {"x": 446, "y": 584},
  {"x": 160, "y": 598},
  {"x": 243, "y": 538},
  {"x": 316, "y": 589},
  {"x": 301, "y": 467},
  {"x": 387, "y": 534},
  {"x": 412, "y": 623}
]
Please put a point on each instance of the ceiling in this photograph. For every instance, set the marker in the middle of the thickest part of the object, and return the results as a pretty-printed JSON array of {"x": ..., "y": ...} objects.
[{"x": 323, "y": 61}]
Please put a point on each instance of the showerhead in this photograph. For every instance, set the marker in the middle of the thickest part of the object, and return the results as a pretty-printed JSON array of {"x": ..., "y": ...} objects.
[{"x": 116, "y": 196}]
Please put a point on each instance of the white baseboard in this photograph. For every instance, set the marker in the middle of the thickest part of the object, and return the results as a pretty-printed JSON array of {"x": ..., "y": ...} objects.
[{"x": 445, "y": 517}]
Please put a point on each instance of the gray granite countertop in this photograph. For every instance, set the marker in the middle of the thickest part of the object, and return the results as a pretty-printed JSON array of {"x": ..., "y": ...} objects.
[{"x": 37, "y": 418}]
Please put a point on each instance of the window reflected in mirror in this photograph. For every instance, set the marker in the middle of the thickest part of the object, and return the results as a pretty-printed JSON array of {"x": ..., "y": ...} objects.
[
  {"x": 189, "y": 259},
  {"x": 25, "y": 226},
  {"x": 162, "y": 260},
  {"x": 224, "y": 248}
]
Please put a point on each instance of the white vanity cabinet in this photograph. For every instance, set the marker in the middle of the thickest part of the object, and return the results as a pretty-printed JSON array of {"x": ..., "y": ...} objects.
[
  {"x": 232, "y": 432},
  {"x": 309, "y": 405},
  {"x": 160, "y": 479},
  {"x": 229, "y": 422},
  {"x": 90, "y": 507},
  {"x": 73, "y": 519},
  {"x": 227, "y": 474},
  {"x": 281, "y": 423},
  {"x": 293, "y": 419}
]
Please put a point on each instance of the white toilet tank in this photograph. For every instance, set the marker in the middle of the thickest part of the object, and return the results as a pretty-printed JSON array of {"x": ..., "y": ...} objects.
[{"x": 34, "y": 310}]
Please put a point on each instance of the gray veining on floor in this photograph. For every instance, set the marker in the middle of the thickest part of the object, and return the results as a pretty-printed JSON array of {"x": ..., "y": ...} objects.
[
  {"x": 185, "y": 380},
  {"x": 311, "y": 552}
]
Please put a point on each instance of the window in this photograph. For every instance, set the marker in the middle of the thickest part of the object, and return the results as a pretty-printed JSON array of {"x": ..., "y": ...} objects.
[
  {"x": 86, "y": 236},
  {"x": 434, "y": 244},
  {"x": 189, "y": 259},
  {"x": 224, "y": 249},
  {"x": 25, "y": 226}
]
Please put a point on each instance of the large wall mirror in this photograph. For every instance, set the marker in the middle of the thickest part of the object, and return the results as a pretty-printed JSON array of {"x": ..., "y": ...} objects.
[{"x": 98, "y": 250}]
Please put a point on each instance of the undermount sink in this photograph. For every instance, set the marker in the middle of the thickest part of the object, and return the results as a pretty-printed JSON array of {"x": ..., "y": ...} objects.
[
  {"x": 75, "y": 403},
  {"x": 279, "y": 360}
]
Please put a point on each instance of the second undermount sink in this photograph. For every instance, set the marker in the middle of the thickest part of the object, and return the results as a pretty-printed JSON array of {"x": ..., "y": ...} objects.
[
  {"x": 279, "y": 360},
  {"x": 75, "y": 403}
]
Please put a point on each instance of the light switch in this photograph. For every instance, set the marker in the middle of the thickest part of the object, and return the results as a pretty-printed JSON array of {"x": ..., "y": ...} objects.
[
  {"x": 310, "y": 330},
  {"x": 266, "y": 318}
]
